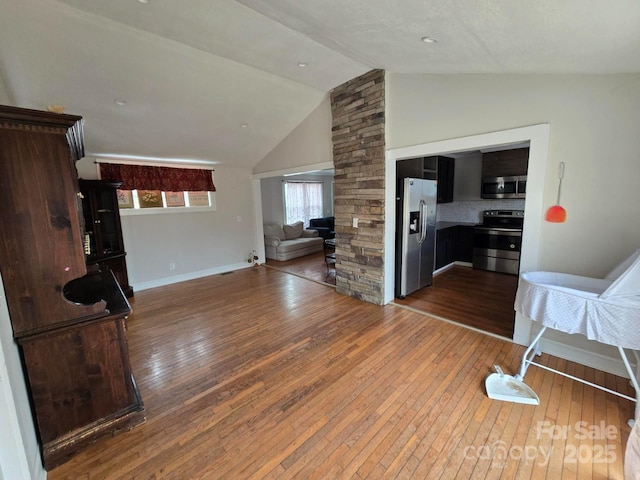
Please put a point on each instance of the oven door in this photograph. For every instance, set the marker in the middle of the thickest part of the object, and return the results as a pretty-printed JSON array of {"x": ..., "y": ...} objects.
[{"x": 497, "y": 249}]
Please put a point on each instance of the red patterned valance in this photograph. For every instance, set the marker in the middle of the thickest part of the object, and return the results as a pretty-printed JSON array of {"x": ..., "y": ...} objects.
[{"x": 167, "y": 179}]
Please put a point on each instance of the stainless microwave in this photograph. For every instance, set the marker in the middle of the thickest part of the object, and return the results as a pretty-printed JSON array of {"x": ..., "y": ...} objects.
[{"x": 504, "y": 187}]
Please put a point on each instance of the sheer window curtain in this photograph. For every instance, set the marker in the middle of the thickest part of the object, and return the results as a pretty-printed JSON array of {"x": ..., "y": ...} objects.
[{"x": 303, "y": 201}]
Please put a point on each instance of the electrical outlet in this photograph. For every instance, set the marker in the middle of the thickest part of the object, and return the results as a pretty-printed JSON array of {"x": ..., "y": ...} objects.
[{"x": 172, "y": 266}]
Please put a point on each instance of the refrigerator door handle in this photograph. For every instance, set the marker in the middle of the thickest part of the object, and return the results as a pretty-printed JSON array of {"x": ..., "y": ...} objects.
[{"x": 423, "y": 221}]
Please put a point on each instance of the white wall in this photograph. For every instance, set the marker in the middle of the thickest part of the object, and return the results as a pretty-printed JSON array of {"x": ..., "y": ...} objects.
[
  {"x": 308, "y": 144},
  {"x": 4, "y": 93},
  {"x": 198, "y": 243},
  {"x": 19, "y": 452},
  {"x": 594, "y": 130},
  {"x": 272, "y": 200}
]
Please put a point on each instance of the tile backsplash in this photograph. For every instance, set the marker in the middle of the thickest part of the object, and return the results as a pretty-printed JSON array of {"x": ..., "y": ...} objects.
[{"x": 471, "y": 212}]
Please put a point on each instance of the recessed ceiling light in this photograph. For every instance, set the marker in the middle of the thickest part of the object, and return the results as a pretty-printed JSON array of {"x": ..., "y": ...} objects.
[
  {"x": 143, "y": 1},
  {"x": 429, "y": 40},
  {"x": 120, "y": 102},
  {"x": 302, "y": 64},
  {"x": 244, "y": 125}
]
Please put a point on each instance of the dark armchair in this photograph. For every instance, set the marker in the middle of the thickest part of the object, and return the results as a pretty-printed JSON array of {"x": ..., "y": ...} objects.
[{"x": 325, "y": 226}]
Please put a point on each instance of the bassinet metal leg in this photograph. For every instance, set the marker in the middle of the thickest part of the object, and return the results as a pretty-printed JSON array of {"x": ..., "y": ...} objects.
[
  {"x": 633, "y": 376},
  {"x": 533, "y": 350}
]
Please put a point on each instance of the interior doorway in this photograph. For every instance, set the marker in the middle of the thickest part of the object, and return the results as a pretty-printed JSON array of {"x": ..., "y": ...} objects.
[
  {"x": 477, "y": 236},
  {"x": 271, "y": 210},
  {"x": 538, "y": 138}
]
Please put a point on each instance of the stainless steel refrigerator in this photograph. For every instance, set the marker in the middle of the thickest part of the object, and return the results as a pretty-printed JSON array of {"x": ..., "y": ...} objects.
[{"x": 417, "y": 235}]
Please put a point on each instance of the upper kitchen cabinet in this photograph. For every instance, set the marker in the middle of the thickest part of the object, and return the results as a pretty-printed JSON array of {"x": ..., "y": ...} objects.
[
  {"x": 409, "y": 168},
  {"x": 430, "y": 168},
  {"x": 505, "y": 163},
  {"x": 102, "y": 230},
  {"x": 446, "y": 172}
]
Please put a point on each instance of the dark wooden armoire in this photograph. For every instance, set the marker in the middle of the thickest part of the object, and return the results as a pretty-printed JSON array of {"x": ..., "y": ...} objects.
[
  {"x": 69, "y": 323},
  {"x": 103, "y": 242}
]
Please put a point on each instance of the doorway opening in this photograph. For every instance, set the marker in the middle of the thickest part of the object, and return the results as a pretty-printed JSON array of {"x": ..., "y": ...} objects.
[
  {"x": 537, "y": 137},
  {"x": 475, "y": 238},
  {"x": 276, "y": 209}
]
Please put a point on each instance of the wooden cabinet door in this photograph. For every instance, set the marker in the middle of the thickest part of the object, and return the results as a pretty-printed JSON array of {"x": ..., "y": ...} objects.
[
  {"x": 505, "y": 162},
  {"x": 445, "y": 247},
  {"x": 40, "y": 240},
  {"x": 446, "y": 172},
  {"x": 464, "y": 243},
  {"x": 80, "y": 380}
]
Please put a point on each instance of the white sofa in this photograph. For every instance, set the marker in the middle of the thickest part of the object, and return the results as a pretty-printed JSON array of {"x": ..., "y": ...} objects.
[{"x": 284, "y": 242}]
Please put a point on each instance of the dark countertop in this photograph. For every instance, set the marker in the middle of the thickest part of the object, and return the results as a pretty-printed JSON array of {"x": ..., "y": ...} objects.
[{"x": 443, "y": 225}]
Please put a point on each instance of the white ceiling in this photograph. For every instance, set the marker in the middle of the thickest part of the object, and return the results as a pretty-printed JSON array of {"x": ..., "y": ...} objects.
[{"x": 192, "y": 72}]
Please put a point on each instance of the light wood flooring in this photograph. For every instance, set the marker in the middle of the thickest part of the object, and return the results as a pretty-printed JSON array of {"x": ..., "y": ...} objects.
[
  {"x": 311, "y": 266},
  {"x": 477, "y": 298},
  {"x": 261, "y": 374}
]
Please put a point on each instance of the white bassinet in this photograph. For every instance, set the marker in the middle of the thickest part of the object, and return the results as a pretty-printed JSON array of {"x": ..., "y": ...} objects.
[{"x": 605, "y": 310}]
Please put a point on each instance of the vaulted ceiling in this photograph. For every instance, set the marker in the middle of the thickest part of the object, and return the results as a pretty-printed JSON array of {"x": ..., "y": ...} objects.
[{"x": 220, "y": 81}]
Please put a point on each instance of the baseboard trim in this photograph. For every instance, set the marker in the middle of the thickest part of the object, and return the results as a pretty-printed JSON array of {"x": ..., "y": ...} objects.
[
  {"x": 584, "y": 357},
  {"x": 161, "y": 282},
  {"x": 463, "y": 264},
  {"x": 447, "y": 267}
]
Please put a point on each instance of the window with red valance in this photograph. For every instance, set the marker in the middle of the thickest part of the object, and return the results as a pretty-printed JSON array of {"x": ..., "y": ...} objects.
[{"x": 166, "y": 179}]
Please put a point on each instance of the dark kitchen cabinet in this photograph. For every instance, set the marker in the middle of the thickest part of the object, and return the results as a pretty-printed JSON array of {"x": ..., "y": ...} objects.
[
  {"x": 409, "y": 168},
  {"x": 464, "y": 243},
  {"x": 441, "y": 169},
  {"x": 437, "y": 168},
  {"x": 103, "y": 242},
  {"x": 454, "y": 244},
  {"x": 445, "y": 246},
  {"x": 68, "y": 320},
  {"x": 505, "y": 163},
  {"x": 446, "y": 170}
]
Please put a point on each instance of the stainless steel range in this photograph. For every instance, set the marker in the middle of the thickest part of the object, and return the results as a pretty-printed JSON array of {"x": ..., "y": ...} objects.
[{"x": 497, "y": 241}]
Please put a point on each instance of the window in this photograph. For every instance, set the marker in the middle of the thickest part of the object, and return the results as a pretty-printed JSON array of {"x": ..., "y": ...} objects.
[
  {"x": 136, "y": 199},
  {"x": 149, "y": 187},
  {"x": 302, "y": 201}
]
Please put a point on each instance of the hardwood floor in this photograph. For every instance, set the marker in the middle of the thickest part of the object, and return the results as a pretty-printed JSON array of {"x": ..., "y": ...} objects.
[
  {"x": 476, "y": 298},
  {"x": 261, "y": 374},
  {"x": 311, "y": 266}
]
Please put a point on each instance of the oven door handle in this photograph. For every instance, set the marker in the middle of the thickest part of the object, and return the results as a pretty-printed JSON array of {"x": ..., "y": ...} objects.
[{"x": 499, "y": 231}]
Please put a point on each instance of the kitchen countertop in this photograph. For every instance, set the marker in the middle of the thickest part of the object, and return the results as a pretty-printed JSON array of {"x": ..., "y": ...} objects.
[{"x": 443, "y": 225}]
